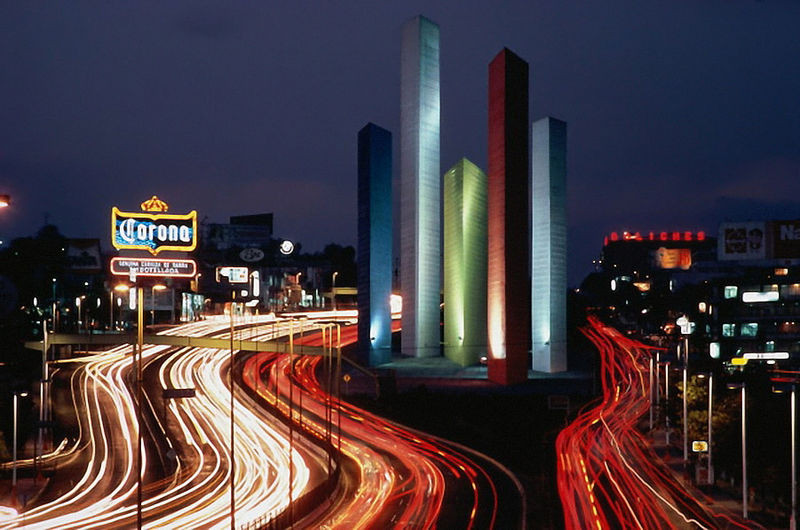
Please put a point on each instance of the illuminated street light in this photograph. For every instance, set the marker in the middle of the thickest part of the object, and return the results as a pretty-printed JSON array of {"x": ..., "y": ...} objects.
[
  {"x": 710, "y": 376},
  {"x": 17, "y": 395},
  {"x": 119, "y": 288},
  {"x": 333, "y": 290},
  {"x": 153, "y": 289},
  {"x": 5, "y": 201},
  {"x": 732, "y": 386},
  {"x": 793, "y": 423}
]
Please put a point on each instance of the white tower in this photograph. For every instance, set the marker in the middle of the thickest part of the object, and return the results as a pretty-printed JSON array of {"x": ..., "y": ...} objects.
[
  {"x": 420, "y": 189},
  {"x": 549, "y": 245}
]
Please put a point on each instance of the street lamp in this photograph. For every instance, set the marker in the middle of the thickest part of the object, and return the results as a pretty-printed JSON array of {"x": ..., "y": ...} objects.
[
  {"x": 333, "y": 290},
  {"x": 153, "y": 289},
  {"x": 120, "y": 288},
  {"x": 17, "y": 395},
  {"x": 710, "y": 376},
  {"x": 732, "y": 386},
  {"x": 793, "y": 423},
  {"x": 5, "y": 201},
  {"x": 78, "y": 307}
]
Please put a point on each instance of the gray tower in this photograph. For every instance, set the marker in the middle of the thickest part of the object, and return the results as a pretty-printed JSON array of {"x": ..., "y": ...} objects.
[
  {"x": 549, "y": 245},
  {"x": 420, "y": 191}
]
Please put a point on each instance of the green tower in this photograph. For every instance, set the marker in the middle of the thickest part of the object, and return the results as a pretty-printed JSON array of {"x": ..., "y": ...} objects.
[{"x": 465, "y": 263}]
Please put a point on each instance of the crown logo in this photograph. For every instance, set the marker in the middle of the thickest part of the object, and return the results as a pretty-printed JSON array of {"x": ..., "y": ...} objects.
[{"x": 154, "y": 204}]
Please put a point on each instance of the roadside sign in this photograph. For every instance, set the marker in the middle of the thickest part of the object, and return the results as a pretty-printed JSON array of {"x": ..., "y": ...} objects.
[
  {"x": 172, "y": 393},
  {"x": 765, "y": 356},
  {"x": 699, "y": 446},
  {"x": 233, "y": 274},
  {"x": 158, "y": 267}
]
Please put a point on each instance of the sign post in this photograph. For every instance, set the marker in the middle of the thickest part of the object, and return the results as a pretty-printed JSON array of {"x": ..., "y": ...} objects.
[{"x": 152, "y": 230}]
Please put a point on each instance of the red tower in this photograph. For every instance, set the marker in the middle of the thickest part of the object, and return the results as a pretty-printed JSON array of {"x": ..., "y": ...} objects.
[{"x": 508, "y": 314}]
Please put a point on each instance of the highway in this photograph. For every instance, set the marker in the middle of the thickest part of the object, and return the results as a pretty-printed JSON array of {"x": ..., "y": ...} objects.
[
  {"x": 96, "y": 487},
  {"x": 406, "y": 479},
  {"x": 608, "y": 474},
  {"x": 390, "y": 476}
]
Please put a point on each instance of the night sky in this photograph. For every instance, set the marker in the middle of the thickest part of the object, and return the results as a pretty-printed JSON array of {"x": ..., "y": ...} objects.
[{"x": 681, "y": 114}]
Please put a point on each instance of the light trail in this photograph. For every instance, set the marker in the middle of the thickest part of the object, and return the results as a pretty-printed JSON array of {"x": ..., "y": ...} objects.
[
  {"x": 197, "y": 495},
  {"x": 608, "y": 474},
  {"x": 406, "y": 478}
]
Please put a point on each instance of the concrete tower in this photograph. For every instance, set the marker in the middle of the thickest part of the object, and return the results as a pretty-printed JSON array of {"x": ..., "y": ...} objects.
[
  {"x": 374, "y": 245},
  {"x": 420, "y": 189},
  {"x": 549, "y": 244},
  {"x": 508, "y": 314},
  {"x": 465, "y": 263}
]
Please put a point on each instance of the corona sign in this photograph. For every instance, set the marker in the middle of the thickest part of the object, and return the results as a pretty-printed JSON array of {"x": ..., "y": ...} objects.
[
  {"x": 153, "y": 232},
  {"x": 153, "y": 267}
]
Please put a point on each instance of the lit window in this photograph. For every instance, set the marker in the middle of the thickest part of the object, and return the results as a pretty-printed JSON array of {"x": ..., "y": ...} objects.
[
  {"x": 781, "y": 272},
  {"x": 750, "y": 297},
  {"x": 731, "y": 291},
  {"x": 791, "y": 290},
  {"x": 750, "y": 329},
  {"x": 728, "y": 330}
]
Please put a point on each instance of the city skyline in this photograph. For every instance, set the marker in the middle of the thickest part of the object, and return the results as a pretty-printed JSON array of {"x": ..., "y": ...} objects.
[{"x": 232, "y": 110}]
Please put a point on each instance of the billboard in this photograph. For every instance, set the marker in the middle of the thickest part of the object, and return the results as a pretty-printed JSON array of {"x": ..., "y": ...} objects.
[
  {"x": 742, "y": 241},
  {"x": 153, "y": 232},
  {"x": 83, "y": 255},
  {"x": 785, "y": 239},
  {"x": 672, "y": 258}
]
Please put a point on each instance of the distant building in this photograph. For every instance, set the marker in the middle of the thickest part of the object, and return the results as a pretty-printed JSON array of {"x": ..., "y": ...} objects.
[
  {"x": 549, "y": 245},
  {"x": 508, "y": 264},
  {"x": 465, "y": 255},
  {"x": 374, "y": 245},
  {"x": 420, "y": 194},
  {"x": 243, "y": 231}
]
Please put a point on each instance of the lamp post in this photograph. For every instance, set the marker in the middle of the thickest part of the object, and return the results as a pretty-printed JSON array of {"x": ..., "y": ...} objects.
[
  {"x": 230, "y": 383},
  {"x": 685, "y": 402},
  {"x": 5, "y": 201},
  {"x": 17, "y": 395},
  {"x": 78, "y": 307},
  {"x": 792, "y": 411},
  {"x": 710, "y": 376},
  {"x": 55, "y": 307},
  {"x": 793, "y": 434},
  {"x": 742, "y": 386},
  {"x": 666, "y": 400},
  {"x": 120, "y": 288},
  {"x": 333, "y": 290},
  {"x": 651, "y": 393},
  {"x": 153, "y": 289}
]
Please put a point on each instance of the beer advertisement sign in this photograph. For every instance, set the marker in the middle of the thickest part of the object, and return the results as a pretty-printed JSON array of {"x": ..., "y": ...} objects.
[{"x": 153, "y": 230}]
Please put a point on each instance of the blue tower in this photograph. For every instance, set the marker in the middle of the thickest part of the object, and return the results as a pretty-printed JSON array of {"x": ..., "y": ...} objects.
[{"x": 374, "y": 244}]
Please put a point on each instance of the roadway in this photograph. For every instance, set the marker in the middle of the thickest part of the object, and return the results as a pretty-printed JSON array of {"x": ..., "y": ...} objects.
[{"x": 608, "y": 473}]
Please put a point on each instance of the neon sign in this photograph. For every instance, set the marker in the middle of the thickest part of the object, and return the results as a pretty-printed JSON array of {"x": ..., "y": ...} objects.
[
  {"x": 153, "y": 232},
  {"x": 655, "y": 236},
  {"x": 153, "y": 267}
]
